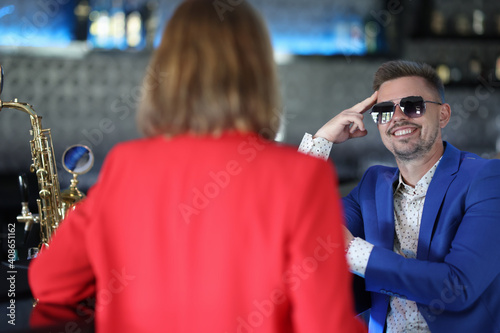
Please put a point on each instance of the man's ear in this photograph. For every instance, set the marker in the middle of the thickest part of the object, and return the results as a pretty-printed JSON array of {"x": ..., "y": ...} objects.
[{"x": 444, "y": 115}]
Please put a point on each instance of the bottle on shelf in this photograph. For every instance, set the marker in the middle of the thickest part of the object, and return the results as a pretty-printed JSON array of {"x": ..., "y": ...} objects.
[
  {"x": 438, "y": 22},
  {"x": 448, "y": 70},
  {"x": 474, "y": 67},
  {"x": 462, "y": 24},
  {"x": 478, "y": 22},
  {"x": 117, "y": 25},
  {"x": 375, "y": 33},
  {"x": 497, "y": 24},
  {"x": 135, "y": 33},
  {"x": 478, "y": 18},
  {"x": 152, "y": 23},
  {"x": 444, "y": 73}
]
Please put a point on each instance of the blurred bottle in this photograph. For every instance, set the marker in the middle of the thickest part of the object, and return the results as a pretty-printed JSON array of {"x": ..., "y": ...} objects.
[
  {"x": 372, "y": 29},
  {"x": 346, "y": 33},
  {"x": 444, "y": 73},
  {"x": 375, "y": 24},
  {"x": 475, "y": 68},
  {"x": 152, "y": 23},
  {"x": 135, "y": 34},
  {"x": 497, "y": 24},
  {"x": 117, "y": 25},
  {"x": 448, "y": 70},
  {"x": 99, "y": 24},
  {"x": 462, "y": 24},
  {"x": 134, "y": 29},
  {"x": 82, "y": 11},
  {"x": 438, "y": 22},
  {"x": 478, "y": 18},
  {"x": 463, "y": 19},
  {"x": 491, "y": 10}
]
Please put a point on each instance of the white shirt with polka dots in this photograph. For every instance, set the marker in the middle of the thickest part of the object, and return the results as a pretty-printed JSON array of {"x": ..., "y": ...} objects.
[
  {"x": 403, "y": 315},
  {"x": 317, "y": 147}
]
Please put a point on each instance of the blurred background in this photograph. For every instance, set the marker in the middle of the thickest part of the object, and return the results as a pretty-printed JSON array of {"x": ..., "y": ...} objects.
[{"x": 80, "y": 64}]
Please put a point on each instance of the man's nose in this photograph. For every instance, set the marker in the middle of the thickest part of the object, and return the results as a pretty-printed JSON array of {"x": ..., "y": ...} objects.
[{"x": 398, "y": 114}]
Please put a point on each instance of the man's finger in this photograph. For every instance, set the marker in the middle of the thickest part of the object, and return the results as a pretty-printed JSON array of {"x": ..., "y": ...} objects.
[
  {"x": 366, "y": 104},
  {"x": 356, "y": 124},
  {"x": 359, "y": 134}
]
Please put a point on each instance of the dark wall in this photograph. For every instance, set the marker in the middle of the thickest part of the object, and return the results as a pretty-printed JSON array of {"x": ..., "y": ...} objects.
[{"x": 92, "y": 100}]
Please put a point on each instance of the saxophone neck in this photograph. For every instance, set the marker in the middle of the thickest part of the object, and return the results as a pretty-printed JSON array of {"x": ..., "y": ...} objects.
[
  {"x": 26, "y": 108},
  {"x": 15, "y": 104}
]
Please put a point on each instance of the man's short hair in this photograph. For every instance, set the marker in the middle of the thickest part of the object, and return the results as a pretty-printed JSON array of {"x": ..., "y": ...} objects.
[{"x": 396, "y": 69}]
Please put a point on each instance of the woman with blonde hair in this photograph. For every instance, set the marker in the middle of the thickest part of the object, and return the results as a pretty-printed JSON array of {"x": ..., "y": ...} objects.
[{"x": 206, "y": 224}]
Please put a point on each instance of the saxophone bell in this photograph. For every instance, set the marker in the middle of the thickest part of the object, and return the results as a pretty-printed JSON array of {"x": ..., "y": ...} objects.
[{"x": 77, "y": 160}]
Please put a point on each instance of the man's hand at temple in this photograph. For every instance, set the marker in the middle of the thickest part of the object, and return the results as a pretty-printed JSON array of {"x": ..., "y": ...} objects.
[{"x": 347, "y": 124}]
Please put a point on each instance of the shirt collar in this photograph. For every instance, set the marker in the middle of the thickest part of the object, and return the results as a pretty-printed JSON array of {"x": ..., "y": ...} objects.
[{"x": 421, "y": 186}]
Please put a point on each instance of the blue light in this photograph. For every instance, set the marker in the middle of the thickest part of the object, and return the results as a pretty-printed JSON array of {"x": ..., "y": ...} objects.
[
  {"x": 338, "y": 35},
  {"x": 36, "y": 24},
  {"x": 6, "y": 10}
]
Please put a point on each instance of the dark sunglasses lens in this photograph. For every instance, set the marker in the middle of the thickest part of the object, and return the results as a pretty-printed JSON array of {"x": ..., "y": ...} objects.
[
  {"x": 413, "y": 106},
  {"x": 382, "y": 112}
]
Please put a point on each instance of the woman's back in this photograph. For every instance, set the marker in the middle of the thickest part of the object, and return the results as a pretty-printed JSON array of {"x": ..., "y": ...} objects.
[{"x": 217, "y": 234}]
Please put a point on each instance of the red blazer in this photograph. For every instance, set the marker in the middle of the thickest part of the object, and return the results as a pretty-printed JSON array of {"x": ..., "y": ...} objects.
[{"x": 202, "y": 234}]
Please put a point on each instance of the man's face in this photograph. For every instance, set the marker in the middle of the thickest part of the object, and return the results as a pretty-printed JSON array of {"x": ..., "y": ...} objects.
[{"x": 412, "y": 138}]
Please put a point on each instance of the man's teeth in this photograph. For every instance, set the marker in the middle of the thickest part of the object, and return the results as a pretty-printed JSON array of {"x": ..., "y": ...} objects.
[{"x": 403, "y": 132}]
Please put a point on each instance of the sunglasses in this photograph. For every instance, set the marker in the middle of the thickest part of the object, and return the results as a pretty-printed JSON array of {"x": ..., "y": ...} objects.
[{"x": 412, "y": 106}]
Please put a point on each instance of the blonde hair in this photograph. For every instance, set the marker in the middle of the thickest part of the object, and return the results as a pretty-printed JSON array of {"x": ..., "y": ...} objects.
[{"x": 213, "y": 73}]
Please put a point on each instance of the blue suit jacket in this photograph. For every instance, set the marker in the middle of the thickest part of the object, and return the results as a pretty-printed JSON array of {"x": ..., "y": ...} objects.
[{"x": 455, "y": 278}]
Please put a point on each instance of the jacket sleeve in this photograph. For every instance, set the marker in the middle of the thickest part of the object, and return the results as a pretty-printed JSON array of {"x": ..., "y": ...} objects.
[
  {"x": 471, "y": 265},
  {"x": 62, "y": 273},
  {"x": 317, "y": 279},
  {"x": 354, "y": 222},
  {"x": 352, "y": 212},
  {"x": 61, "y": 277}
]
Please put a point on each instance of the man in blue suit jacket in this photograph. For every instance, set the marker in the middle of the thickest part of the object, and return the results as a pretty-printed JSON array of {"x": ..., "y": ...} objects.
[{"x": 426, "y": 235}]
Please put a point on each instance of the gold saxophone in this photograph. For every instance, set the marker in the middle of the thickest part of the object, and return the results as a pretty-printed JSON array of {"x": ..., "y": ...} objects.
[{"x": 52, "y": 204}]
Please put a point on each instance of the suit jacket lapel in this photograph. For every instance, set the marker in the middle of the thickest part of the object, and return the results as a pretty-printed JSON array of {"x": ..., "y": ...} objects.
[
  {"x": 385, "y": 209},
  {"x": 445, "y": 173}
]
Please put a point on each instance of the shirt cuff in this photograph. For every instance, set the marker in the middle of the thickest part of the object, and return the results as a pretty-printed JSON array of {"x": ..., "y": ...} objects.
[
  {"x": 317, "y": 147},
  {"x": 357, "y": 256}
]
